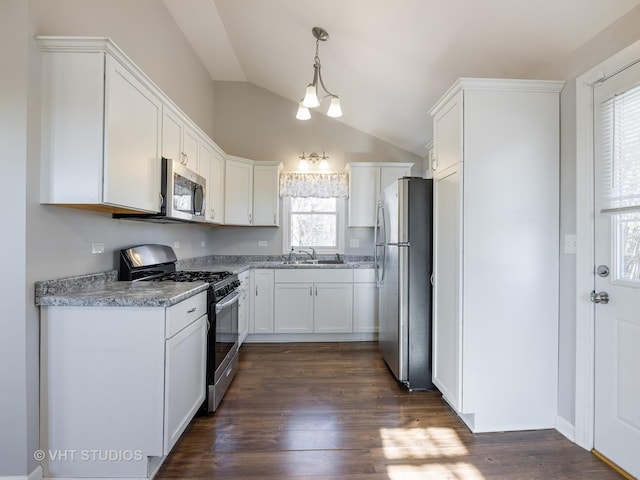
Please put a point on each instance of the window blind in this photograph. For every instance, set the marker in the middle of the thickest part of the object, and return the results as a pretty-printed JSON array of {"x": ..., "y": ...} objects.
[{"x": 621, "y": 152}]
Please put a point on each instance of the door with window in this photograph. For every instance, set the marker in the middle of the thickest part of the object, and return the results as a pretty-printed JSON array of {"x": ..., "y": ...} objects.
[{"x": 616, "y": 293}]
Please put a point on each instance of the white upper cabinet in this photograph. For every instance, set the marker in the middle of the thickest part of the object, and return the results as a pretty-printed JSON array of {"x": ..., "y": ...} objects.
[
  {"x": 251, "y": 192},
  {"x": 238, "y": 191},
  {"x": 266, "y": 201},
  {"x": 366, "y": 183},
  {"x": 211, "y": 166},
  {"x": 447, "y": 128},
  {"x": 101, "y": 128}
]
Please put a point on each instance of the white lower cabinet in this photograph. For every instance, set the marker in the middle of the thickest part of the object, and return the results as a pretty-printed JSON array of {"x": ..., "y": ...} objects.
[
  {"x": 313, "y": 301},
  {"x": 262, "y": 300},
  {"x": 119, "y": 379},
  {"x": 293, "y": 308},
  {"x": 243, "y": 306},
  {"x": 365, "y": 301},
  {"x": 185, "y": 363}
]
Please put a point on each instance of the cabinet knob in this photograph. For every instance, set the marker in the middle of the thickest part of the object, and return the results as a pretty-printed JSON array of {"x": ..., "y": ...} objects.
[
  {"x": 250, "y": 218},
  {"x": 434, "y": 163}
]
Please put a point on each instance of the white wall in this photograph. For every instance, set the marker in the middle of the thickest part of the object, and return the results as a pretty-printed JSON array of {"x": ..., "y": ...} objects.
[
  {"x": 254, "y": 123},
  {"x": 18, "y": 417},
  {"x": 614, "y": 38},
  {"x": 44, "y": 242}
]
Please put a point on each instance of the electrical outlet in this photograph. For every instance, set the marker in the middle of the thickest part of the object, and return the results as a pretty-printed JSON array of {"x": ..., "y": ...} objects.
[
  {"x": 354, "y": 243},
  {"x": 570, "y": 244},
  {"x": 97, "y": 248},
  {"x": 262, "y": 243},
  {"x": 203, "y": 243},
  {"x": 176, "y": 245}
]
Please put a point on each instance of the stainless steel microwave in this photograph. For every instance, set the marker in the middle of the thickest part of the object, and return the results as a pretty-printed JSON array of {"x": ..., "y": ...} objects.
[{"x": 183, "y": 196}]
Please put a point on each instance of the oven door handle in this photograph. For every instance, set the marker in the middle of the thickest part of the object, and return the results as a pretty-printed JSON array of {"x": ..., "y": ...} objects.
[{"x": 227, "y": 301}]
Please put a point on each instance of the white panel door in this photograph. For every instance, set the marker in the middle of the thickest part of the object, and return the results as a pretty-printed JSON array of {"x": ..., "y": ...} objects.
[
  {"x": 132, "y": 144},
  {"x": 447, "y": 134},
  {"x": 617, "y": 247},
  {"x": 447, "y": 294},
  {"x": 365, "y": 307},
  {"x": 333, "y": 308},
  {"x": 265, "y": 195},
  {"x": 238, "y": 195},
  {"x": 364, "y": 189},
  {"x": 190, "y": 148},
  {"x": 293, "y": 308},
  {"x": 185, "y": 364},
  {"x": 262, "y": 301}
]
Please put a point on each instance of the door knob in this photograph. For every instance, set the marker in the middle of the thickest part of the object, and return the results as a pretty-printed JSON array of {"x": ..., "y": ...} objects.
[{"x": 599, "y": 297}]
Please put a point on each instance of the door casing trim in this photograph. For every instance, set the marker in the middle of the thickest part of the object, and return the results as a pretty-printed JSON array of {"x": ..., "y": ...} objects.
[{"x": 585, "y": 228}]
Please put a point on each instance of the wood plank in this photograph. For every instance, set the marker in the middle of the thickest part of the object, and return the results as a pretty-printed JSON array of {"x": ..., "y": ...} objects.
[{"x": 333, "y": 411}]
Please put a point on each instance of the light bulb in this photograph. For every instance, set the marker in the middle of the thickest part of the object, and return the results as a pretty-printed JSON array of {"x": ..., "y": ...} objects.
[
  {"x": 303, "y": 166},
  {"x": 303, "y": 112},
  {"x": 324, "y": 165},
  {"x": 311, "y": 97},
  {"x": 334, "y": 108}
]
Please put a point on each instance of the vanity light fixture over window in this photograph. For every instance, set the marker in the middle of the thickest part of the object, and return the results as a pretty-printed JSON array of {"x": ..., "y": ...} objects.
[{"x": 313, "y": 159}]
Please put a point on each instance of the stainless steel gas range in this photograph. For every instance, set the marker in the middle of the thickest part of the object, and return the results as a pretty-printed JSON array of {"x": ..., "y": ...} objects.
[{"x": 157, "y": 263}]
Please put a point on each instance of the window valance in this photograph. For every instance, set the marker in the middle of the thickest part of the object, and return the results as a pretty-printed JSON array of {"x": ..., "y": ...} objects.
[{"x": 321, "y": 185}]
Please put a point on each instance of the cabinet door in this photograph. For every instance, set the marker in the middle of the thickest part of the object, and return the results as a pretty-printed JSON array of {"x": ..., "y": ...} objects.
[
  {"x": 262, "y": 301},
  {"x": 190, "y": 147},
  {"x": 215, "y": 186},
  {"x": 364, "y": 187},
  {"x": 185, "y": 363},
  {"x": 447, "y": 134},
  {"x": 205, "y": 159},
  {"x": 447, "y": 275},
  {"x": 171, "y": 134},
  {"x": 243, "y": 306},
  {"x": 365, "y": 308},
  {"x": 293, "y": 304},
  {"x": 133, "y": 122},
  {"x": 265, "y": 195},
  {"x": 333, "y": 308},
  {"x": 238, "y": 193},
  {"x": 389, "y": 175}
]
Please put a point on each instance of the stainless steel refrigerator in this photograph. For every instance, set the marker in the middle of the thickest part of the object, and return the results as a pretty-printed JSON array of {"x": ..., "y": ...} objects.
[{"x": 403, "y": 258}]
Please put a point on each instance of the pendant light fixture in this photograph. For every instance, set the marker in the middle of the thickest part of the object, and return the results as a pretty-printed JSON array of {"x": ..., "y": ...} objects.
[{"x": 311, "y": 98}]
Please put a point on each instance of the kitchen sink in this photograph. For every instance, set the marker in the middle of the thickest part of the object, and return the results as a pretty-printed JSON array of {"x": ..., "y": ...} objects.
[{"x": 314, "y": 262}]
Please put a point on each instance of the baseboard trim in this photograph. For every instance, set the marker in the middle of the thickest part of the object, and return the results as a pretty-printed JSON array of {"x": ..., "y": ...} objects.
[
  {"x": 565, "y": 428},
  {"x": 618, "y": 469},
  {"x": 36, "y": 474}
]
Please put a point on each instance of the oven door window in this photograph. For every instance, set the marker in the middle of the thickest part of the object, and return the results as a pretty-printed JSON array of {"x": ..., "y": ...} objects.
[
  {"x": 188, "y": 196},
  {"x": 226, "y": 326}
]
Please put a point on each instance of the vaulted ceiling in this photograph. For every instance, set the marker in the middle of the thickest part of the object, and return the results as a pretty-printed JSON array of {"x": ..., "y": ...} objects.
[{"x": 389, "y": 61}]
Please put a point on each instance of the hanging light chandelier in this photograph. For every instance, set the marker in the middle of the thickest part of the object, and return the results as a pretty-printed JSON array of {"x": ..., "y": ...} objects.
[{"x": 311, "y": 98}]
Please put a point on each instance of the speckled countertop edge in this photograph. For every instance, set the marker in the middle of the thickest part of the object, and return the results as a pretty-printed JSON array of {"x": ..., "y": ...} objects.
[{"x": 102, "y": 290}]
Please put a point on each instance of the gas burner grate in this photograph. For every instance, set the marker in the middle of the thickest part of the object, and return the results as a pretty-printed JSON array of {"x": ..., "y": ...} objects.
[{"x": 185, "y": 276}]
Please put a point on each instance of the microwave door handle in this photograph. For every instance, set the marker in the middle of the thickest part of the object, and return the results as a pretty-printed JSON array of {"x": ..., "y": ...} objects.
[
  {"x": 228, "y": 301},
  {"x": 197, "y": 200}
]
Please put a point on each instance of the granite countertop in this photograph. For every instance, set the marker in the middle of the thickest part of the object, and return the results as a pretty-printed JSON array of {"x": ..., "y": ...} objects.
[
  {"x": 243, "y": 264},
  {"x": 103, "y": 290},
  {"x": 100, "y": 290}
]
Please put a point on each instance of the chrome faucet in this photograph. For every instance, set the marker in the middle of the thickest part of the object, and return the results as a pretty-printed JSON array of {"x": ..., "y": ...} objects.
[{"x": 312, "y": 255}]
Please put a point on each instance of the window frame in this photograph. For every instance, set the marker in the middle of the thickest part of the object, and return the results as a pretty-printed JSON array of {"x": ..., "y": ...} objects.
[{"x": 340, "y": 230}]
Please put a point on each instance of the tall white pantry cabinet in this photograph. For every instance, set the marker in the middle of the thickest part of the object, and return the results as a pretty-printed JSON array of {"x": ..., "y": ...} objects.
[{"x": 496, "y": 240}]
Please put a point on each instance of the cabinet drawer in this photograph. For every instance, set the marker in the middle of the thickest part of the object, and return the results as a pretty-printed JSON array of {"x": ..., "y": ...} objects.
[
  {"x": 314, "y": 275},
  {"x": 364, "y": 275},
  {"x": 182, "y": 314}
]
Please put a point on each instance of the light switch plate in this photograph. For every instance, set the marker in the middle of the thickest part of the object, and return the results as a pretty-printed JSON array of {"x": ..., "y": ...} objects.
[
  {"x": 354, "y": 243},
  {"x": 176, "y": 245},
  {"x": 262, "y": 243},
  {"x": 97, "y": 248},
  {"x": 570, "y": 244}
]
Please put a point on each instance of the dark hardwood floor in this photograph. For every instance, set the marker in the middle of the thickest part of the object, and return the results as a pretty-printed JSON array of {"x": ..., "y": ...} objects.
[{"x": 333, "y": 411}]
